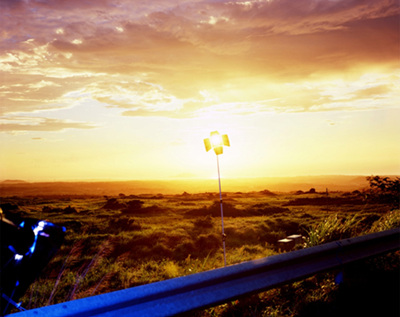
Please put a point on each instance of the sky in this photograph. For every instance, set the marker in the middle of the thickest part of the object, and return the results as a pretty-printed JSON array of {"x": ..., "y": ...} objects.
[{"x": 126, "y": 89}]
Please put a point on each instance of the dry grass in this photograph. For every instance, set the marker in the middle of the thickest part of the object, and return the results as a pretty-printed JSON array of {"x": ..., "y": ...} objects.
[{"x": 117, "y": 242}]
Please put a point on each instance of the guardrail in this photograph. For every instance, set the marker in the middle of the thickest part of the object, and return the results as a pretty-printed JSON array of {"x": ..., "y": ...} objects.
[{"x": 205, "y": 289}]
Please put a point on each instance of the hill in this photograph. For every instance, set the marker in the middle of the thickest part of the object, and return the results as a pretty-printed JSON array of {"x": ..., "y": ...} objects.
[{"x": 176, "y": 186}]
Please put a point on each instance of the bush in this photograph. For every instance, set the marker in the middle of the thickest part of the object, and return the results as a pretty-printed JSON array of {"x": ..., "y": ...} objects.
[
  {"x": 160, "y": 251},
  {"x": 123, "y": 223},
  {"x": 215, "y": 211},
  {"x": 203, "y": 223},
  {"x": 323, "y": 201},
  {"x": 184, "y": 249},
  {"x": 72, "y": 225},
  {"x": 272, "y": 237},
  {"x": 206, "y": 243},
  {"x": 170, "y": 270},
  {"x": 113, "y": 204},
  {"x": 66, "y": 210},
  {"x": 236, "y": 237},
  {"x": 264, "y": 210},
  {"x": 133, "y": 206}
]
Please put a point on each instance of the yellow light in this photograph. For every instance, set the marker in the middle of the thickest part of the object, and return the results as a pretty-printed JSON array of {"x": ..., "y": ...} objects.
[
  {"x": 207, "y": 144},
  {"x": 217, "y": 142},
  {"x": 216, "y": 139}
]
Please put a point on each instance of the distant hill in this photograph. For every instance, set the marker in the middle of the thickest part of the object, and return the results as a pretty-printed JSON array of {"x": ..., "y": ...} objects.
[
  {"x": 13, "y": 181},
  {"x": 178, "y": 186}
]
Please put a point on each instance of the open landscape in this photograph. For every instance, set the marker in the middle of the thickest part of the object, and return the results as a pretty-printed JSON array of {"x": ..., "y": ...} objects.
[
  {"x": 119, "y": 240},
  {"x": 119, "y": 118}
]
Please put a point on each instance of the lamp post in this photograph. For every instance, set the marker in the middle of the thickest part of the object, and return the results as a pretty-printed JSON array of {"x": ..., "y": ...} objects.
[{"x": 216, "y": 142}]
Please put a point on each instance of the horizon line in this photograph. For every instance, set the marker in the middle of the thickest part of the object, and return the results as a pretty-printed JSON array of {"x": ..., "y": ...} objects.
[{"x": 103, "y": 180}]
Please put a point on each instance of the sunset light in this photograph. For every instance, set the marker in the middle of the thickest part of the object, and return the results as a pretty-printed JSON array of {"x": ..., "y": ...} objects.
[
  {"x": 216, "y": 141},
  {"x": 102, "y": 90},
  {"x": 168, "y": 138}
]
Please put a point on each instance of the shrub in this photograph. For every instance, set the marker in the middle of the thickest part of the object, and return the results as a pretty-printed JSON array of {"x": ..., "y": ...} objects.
[
  {"x": 237, "y": 237},
  {"x": 170, "y": 269},
  {"x": 203, "y": 223},
  {"x": 185, "y": 249},
  {"x": 70, "y": 210},
  {"x": 264, "y": 210},
  {"x": 72, "y": 225},
  {"x": 123, "y": 223},
  {"x": 266, "y": 192},
  {"x": 8, "y": 207},
  {"x": 67, "y": 210},
  {"x": 215, "y": 211},
  {"x": 286, "y": 225},
  {"x": 206, "y": 243},
  {"x": 253, "y": 249},
  {"x": 113, "y": 204},
  {"x": 324, "y": 201},
  {"x": 271, "y": 237},
  {"x": 160, "y": 251},
  {"x": 133, "y": 206}
]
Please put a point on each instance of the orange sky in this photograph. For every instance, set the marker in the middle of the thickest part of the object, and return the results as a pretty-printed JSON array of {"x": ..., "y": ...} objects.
[{"x": 129, "y": 89}]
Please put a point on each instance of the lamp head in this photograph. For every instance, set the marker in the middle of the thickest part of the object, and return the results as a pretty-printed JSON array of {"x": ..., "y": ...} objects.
[{"x": 216, "y": 141}]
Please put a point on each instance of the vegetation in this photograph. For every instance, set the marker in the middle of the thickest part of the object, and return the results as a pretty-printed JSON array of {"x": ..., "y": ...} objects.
[
  {"x": 385, "y": 189},
  {"x": 116, "y": 242}
]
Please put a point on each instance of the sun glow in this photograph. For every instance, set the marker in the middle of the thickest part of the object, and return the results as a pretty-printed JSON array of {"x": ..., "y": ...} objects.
[
  {"x": 216, "y": 139},
  {"x": 132, "y": 94}
]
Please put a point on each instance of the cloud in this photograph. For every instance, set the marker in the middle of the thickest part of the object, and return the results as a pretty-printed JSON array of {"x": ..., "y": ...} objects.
[
  {"x": 155, "y": 57},
  {"x": 24, "y": 124},
  {"x": 35, "y": 93},
  {"x": 305, "y": 16}
]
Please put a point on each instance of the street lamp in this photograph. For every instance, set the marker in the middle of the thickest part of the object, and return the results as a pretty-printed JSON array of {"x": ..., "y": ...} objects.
[{"x": 216, "y": 142}]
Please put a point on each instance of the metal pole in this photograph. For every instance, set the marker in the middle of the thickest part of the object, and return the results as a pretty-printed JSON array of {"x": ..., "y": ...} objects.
[{"x": 222, "y": 212}]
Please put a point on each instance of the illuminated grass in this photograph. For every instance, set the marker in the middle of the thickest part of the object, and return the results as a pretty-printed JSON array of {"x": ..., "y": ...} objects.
[{"x": 110, "y": 249}]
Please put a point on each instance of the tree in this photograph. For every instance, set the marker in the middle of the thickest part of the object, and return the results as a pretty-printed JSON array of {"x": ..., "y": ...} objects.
[{"x": 385, "y": 189}]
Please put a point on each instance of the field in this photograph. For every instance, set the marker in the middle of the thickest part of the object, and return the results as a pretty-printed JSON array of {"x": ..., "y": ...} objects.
[{"x": 124, "y": 240}]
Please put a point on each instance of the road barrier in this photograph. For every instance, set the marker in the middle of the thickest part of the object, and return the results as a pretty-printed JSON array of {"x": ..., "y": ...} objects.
[{"x": 210, "y": 288}]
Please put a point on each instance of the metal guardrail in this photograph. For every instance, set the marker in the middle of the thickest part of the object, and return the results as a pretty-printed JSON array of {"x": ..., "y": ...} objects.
[{"x": 205, "y": 289}]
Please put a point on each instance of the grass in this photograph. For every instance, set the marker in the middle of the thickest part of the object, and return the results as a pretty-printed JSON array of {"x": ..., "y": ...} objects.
[
  {"x": 331, "y": 229},
  {"x": 118, "y": 242}
]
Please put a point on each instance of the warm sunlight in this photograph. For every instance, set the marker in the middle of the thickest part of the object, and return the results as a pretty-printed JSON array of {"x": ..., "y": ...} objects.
[
  {"x": 133, "y": 93},
  {"x": 114, "y": 115},
  {"x": 216, "y": 139}
]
